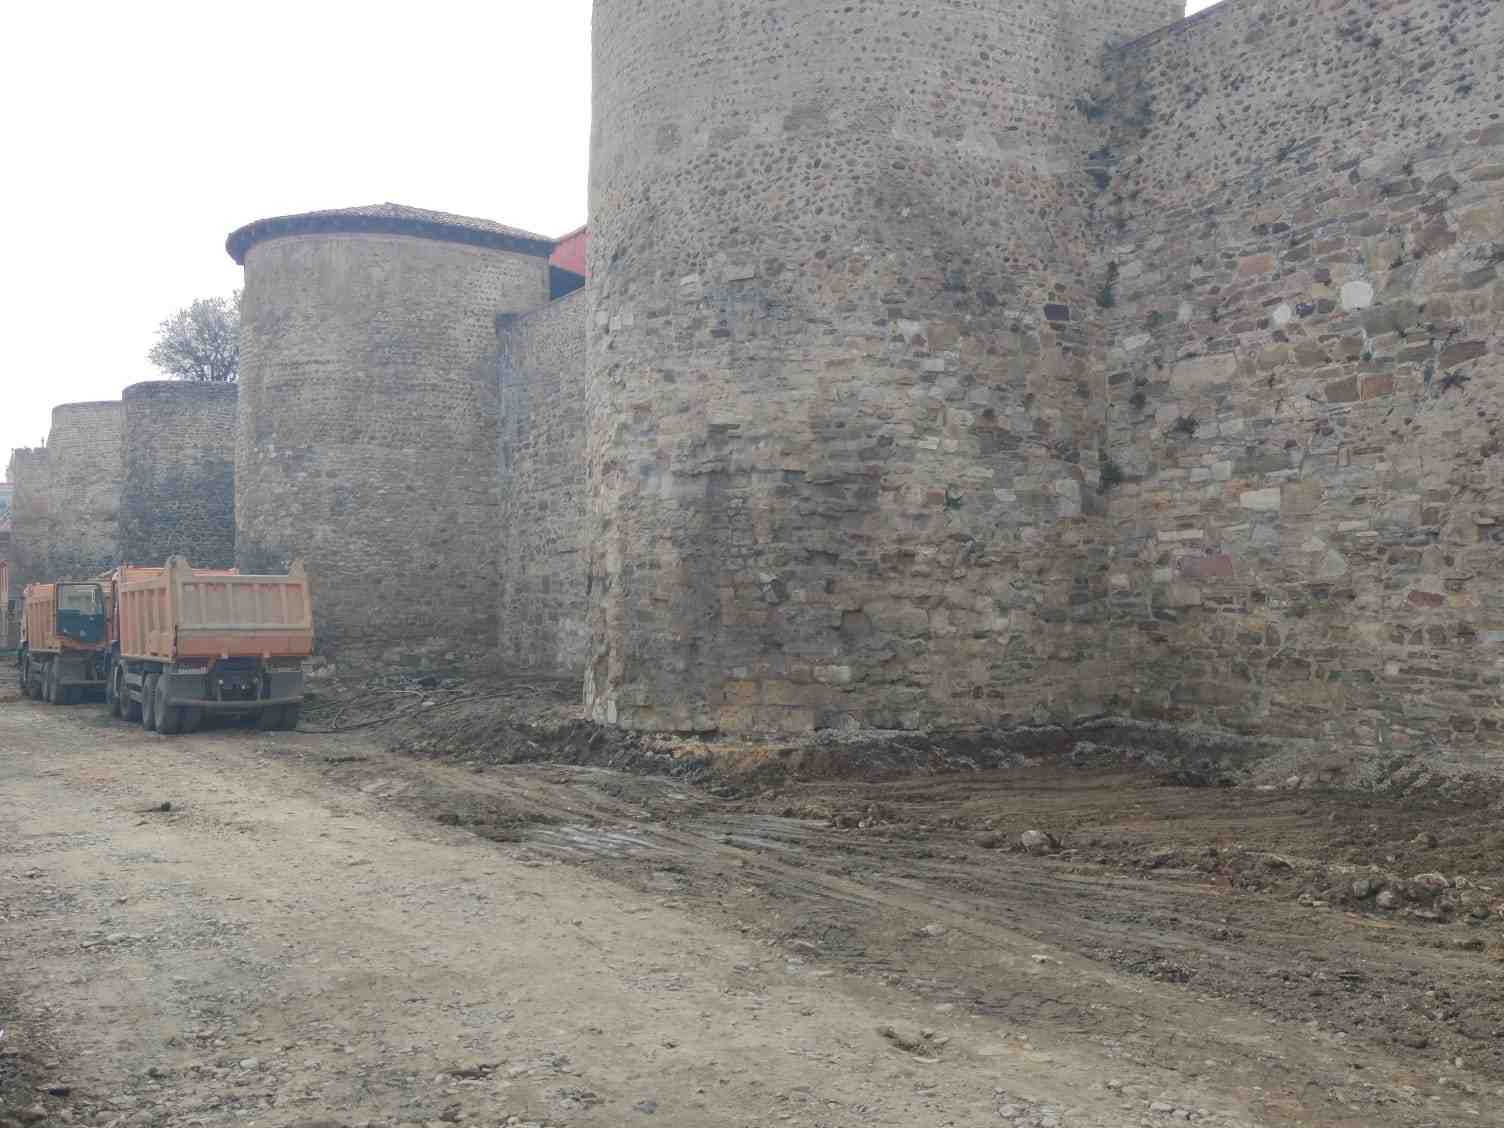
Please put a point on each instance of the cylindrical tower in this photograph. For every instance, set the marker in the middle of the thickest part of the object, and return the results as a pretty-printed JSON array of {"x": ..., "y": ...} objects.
[
  {"x": 84, "y": 470},
  {"x": 30, "y": 523},
  {"x": 367, "y": 430},
  {"x": 840, "y": 366},
  {"x": 179, "y": 492}
]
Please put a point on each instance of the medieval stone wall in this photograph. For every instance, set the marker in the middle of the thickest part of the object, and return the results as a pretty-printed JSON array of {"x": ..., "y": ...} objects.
[
  {"x": 367, "y": 431},
  {"x": 179, "y": 492},
  {"x": 543, "y": 492},
  {"x": 1301, "y": 242},
  {"x": 27, "y": 471},
  {"x": 989, "y": 362},
  {"x": 84, "y": 472},
  {"x": 840, "y": 366}
]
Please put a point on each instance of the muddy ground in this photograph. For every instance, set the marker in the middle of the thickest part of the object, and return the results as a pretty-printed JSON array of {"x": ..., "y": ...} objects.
[{"x": 673, "y": 932}]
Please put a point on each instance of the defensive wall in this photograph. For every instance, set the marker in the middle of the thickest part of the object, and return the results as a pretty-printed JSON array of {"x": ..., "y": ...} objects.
[
  {"x": 541, "y": 474},
  {"x": 7, "y": 495},
  {"x": 136, "y": 479},
  {"x": 840, "y": 381},
  {"x": 83, "y": 474},
  {"x": 1009, "y": 362},
  {"x": 178, "y": 497},
  {"x": 367, "y": 430},
  {"x": 27, "y": 471},
  {"x": 1302, "y": 235}
]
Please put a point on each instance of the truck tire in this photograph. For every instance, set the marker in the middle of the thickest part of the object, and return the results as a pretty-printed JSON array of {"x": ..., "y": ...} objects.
[
  {"x": 113, "y": 692},
  {"x": 49, "y": 683},
  {"x": 290, "y": 717},
  {"x": 130, "y": 708},
  {"x": 169, "y": 717},
  {"x": 149, "y": 703},
  {"x": 269, "y": 720},
  {"x": 193, "y": 719}
]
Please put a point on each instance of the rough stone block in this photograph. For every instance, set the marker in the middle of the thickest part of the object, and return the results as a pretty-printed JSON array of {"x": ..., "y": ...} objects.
[{"x": 1265, "y": 500}]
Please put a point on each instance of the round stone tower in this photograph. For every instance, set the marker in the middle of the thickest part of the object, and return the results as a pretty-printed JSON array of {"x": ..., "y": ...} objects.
[
  {"x": 179, "y": 493},
  {"x": 367, "y": 431},
  {"x": 84, "y": 452},
  {"x": 30, "y": 521},
  {"x": 842, "y": 376}
]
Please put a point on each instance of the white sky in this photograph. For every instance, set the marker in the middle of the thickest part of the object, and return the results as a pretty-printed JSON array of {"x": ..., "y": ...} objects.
[{"x": 139, "y": 135}]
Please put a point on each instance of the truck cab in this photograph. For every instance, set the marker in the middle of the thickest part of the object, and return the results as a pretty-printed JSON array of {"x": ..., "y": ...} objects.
[
  {"x": 81, "y": 614},
  {"x": 65, "y": 640}
]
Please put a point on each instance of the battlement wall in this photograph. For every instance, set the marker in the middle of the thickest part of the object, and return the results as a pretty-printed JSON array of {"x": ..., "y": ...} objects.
[
  {"x": 543, "y": 487},
  {"x": 1303, "y": 235}
]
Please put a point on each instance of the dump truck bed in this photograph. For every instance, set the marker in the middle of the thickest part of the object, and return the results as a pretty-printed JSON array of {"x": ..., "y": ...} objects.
[{"x": 178, "y": 612}]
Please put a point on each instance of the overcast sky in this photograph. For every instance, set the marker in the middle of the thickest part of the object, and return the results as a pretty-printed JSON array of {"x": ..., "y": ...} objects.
[{"x": 139, "y": 135}]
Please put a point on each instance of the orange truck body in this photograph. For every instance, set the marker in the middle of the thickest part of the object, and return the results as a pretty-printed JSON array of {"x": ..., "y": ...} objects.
[
  {"x": 181, "y": 613},
  {"x": 189, "y": 642}
]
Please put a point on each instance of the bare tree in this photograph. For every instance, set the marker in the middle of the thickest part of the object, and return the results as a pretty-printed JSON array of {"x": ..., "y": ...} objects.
[{"x": 201, "y": 342}]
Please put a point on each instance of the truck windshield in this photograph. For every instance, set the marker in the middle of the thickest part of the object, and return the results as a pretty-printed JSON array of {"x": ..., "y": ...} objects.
[{"x": 84, "y": 599}]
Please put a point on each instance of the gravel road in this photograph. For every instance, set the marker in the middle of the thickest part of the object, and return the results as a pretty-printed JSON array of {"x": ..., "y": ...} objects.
[{"x": 315, "y": 929}]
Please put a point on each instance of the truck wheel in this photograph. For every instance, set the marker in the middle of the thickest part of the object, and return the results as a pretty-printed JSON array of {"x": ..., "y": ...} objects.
[
  {"x": 269, "y": 720},
  {"x": 193, "y": 719},
  {"x": 149, "y": 703},
  {"x": 49, "y": 683},
  {"x": 112, "y": 692},
  {"x": 169, "y": 717},
  {"x": 290, "y": 716},
  {"x": 130, "y": 709}
]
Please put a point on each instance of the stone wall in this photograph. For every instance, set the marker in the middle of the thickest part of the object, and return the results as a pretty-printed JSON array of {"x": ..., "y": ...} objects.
[
  {"x": 84, "y": 472},
  {"x": 179, "y": 494},
  {"x": 367, "y": 431},
  {"x": 7, "y": 552},
  {"x": 27, "y": 472},
  {"x": 1302, "y": 240},
  {"x": 541, "y": 462},
  {"x": 841, "y": 369}
]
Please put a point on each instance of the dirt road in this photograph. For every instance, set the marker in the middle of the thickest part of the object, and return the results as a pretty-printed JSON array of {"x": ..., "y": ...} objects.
[{"x": 320, "y": 929}]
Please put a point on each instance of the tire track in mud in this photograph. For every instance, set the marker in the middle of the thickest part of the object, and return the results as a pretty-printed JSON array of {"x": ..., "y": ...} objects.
[{"x": 1003, "y": 928}]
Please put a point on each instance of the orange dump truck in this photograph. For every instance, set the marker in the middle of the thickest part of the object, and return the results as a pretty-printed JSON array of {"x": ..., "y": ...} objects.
[
  {"x": 65, "y": 640},
  {"x": 188, "y": 642}
]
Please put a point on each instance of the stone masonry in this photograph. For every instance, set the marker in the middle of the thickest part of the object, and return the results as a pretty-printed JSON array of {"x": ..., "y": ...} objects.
[
  {"x": 541, "y": 464},
  {"x": 179, "y": 492},
  {"x": 974, "y": 363},
  {"x": 841, "y": 374},
  {"x": 27, "y": 471},
  {"x": 1302, "y": 234},
  {"x": 367, "y": 428},
  {"x": 83, "y": 460},
  {"x": 1057, "y": 373}
]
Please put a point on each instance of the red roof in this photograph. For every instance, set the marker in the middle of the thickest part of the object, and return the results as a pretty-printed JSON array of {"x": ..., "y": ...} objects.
[{"x": 569, "y": 254}]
